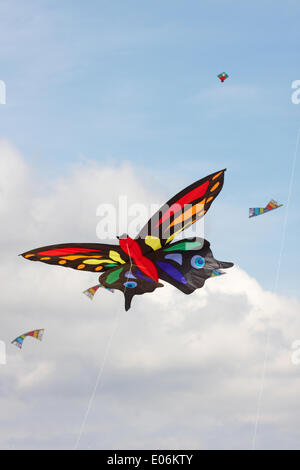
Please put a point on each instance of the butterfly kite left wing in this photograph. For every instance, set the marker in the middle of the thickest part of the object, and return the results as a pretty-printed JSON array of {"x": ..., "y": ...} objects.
[
  {"x": 180, "y": 212},
  {"x": 93, "y": 257},
  {"x": 37, "y": 334}
]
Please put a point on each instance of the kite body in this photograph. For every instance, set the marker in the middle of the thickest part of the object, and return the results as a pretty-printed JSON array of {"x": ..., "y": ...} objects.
[
  {"x": 185, "y": 264},
  {"x": 223, "y": 76},
  {"x": 37, "y": 334},
  {"x": 136, "y": 266},
  {"x": 254, "y": 211}
]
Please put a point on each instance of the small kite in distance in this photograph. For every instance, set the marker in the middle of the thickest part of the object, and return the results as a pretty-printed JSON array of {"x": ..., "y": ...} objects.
[
  {"x": 254, "y": 211},
  {"x": 37, "y": 334},
  {"x": 223, "y": 76},
  {"x": 92, "y": 290}
]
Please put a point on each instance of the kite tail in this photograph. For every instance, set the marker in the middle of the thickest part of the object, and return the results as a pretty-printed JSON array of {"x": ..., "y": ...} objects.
[{"x": 128, "y": 298}]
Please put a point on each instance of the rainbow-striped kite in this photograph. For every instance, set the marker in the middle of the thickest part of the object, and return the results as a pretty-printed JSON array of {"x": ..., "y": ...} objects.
[
  {"x": 254, "y": 211},
  {"x": 37, "y": 334},
  {"x": 92, "y": 290}
]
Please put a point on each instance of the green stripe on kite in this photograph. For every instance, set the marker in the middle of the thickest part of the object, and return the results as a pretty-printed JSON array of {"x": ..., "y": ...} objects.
[
  {"x": 114, "y": 276},
  {"x": 184, "y": 246}
]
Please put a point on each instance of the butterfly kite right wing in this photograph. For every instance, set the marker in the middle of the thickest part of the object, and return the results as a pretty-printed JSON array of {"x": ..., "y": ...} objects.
[
  {"x": 180, "y": 212},
  {"x": 187, "y": 264}
]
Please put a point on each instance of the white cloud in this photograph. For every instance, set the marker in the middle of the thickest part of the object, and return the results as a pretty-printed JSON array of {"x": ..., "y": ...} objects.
[
  {"x": 181, "y": 372},
  {"x": 38, "y": 375}
]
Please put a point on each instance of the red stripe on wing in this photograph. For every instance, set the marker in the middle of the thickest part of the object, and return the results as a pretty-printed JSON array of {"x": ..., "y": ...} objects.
[
  {"x": 186, "y": 199},
  {"x": 66, "y": 251}
]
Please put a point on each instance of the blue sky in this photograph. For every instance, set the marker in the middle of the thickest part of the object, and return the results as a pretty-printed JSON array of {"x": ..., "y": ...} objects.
[
  {"x": 136, "y": 81},
  {"x": 105, "y": 97}
]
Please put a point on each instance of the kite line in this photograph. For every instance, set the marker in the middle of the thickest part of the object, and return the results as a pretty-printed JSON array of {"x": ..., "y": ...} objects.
[
  {"x": 101, "y": 370},
  {"x": 276, "y": 281}
]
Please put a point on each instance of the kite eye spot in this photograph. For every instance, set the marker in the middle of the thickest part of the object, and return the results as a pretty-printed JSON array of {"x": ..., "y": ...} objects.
[
  {"x": 130, "y": 284},
  {"x": 197, "y": 262}
]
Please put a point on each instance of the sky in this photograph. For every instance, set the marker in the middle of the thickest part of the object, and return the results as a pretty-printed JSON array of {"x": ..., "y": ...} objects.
[{"x": 111, "y": 98}]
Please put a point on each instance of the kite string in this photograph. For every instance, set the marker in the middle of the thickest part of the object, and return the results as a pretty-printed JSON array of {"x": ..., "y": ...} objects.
[
  {"x": 276, "y": 281},
  {"x": 100, "y": 373},
  {"x": 92, "y": 397}
]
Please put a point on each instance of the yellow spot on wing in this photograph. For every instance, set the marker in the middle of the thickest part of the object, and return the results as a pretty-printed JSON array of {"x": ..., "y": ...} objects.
[
  {"x": 29, "y": 256},
  {"x": 114, "y": 255},
  {"x": 81, "y": 266},
  {"x": 98, "y": 268},
  {"x": 45, "y": 258},
  {"x": 154, "y": 242},
  {"x": 63, "y": 261},
  {"x": 92, "y": 261},
  {"x": 98, "y": 261},
  {"x": 180, "y": 230},
  {"x": 172, "y": 237}
]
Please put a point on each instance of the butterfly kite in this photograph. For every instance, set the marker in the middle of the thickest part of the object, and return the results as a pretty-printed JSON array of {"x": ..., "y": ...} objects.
[
  {"x": 223, "y": 76},
  {"x": 38, "y": 334},
  {"x": 254, "y": 211},
  {"x": 136, "y": 266}
]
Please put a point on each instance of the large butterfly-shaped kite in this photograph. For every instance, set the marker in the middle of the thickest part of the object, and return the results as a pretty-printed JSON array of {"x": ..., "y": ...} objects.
[{"x": 136, "y": 265}]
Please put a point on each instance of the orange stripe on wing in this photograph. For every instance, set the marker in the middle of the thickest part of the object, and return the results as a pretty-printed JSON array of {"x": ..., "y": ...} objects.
[
  {"x": 73, "y": 257},
  {"x": 217, "y": 175},
  {"x": 188, "y": 198},
  {"x": 215, "y": 186},
  {"x": 199, "y": 207}
]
